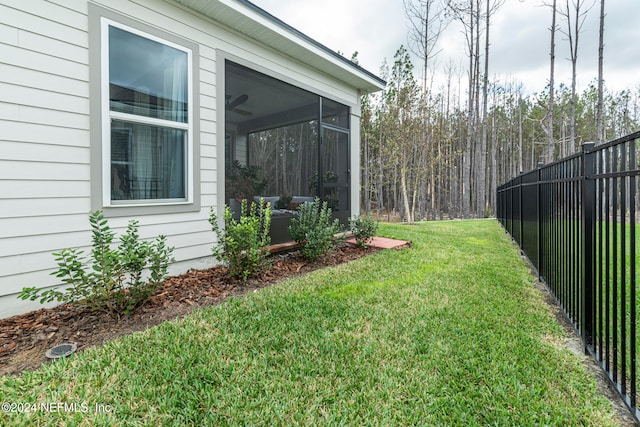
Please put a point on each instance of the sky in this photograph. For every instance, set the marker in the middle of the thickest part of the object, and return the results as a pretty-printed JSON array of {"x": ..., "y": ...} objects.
[{"x": 519, "y": 39}]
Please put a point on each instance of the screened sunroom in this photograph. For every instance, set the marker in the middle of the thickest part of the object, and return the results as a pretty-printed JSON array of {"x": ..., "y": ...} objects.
[{"x": 284, "y": 144}]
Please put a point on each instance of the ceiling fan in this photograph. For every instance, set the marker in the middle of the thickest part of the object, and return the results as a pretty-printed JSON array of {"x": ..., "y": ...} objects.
[{"x": 231, "y": 105}]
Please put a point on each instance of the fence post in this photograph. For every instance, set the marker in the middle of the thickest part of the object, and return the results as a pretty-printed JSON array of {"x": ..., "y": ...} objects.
[
  {"x": 520, "y": 222},
  {"x": 511, "y": 193},
  {"x": 588, "y": 241},
  {"x": 539, "y": 218}
]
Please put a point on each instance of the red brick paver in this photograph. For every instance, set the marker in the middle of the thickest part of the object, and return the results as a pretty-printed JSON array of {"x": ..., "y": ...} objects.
[{"x": 382, "y": 243}]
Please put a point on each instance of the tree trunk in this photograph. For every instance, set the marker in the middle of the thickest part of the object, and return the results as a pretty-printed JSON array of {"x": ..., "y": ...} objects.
[
  {"x": 520, "y": 166},
  {"x": 482, "y": 163},
  {"x": 574, "y": 26},
  {"x": 550, "y": 111},
  {"x": 599, "y": 114}
]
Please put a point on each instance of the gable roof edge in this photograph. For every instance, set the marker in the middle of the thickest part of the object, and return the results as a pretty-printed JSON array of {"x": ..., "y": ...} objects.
[{"x": 258, "y": 24}]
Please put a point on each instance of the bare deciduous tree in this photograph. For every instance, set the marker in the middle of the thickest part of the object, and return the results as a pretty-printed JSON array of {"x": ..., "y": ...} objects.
[
  {"x": 467, "y": 12},
  {"x": 482, "y": 199},
  {"x": 599, "y": 114},
  {"x": 427, "y": 22},
  {"x": 548, "y": 126},
  {"x": 574, "y": 15}
]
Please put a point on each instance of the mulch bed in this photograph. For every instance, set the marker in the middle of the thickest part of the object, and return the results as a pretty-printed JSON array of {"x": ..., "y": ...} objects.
[{"x": 24, "y": 339}]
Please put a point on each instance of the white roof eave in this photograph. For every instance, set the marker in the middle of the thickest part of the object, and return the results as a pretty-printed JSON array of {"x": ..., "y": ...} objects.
[{"x": 255, "y": 23}]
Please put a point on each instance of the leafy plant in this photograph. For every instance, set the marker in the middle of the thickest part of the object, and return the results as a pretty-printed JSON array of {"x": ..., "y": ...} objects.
[
  {"x": 313, "y": 229},
  {"x": 241, "y": 245},
  {"x": 114, "y": 281},
  {"x": 363, "y": 229}
]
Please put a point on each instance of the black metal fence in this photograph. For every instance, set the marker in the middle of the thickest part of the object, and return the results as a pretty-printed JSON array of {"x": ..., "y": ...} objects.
[{"x": 575, "y": 220}]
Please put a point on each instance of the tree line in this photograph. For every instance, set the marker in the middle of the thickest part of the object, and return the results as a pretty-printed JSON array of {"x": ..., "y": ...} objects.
[{"x": 436, "y": 153}]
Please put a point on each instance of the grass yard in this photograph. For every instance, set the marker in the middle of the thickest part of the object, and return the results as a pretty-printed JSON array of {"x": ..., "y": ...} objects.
[{"x": 448, "y": 332}]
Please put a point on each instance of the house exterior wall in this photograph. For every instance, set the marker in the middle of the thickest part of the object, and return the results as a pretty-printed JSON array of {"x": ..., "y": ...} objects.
[{"x": 47, "y": 131}]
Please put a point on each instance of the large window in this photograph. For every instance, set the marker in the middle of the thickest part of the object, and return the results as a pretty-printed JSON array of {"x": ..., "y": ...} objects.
[
  {"x": 147, "y": 122},
  {"x": 284, "y": 144}
]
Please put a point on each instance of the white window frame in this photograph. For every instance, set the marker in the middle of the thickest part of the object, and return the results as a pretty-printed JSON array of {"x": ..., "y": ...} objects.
[{"x": 108, "y": 116}]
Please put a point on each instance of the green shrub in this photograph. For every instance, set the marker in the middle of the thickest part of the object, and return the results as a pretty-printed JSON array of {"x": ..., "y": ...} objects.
[
  {"x": 114, "y": 281},
  {"x": 241, "y": 245},
  {"x": 313, "y": 229},
  {"x": 363, "y": 229}
]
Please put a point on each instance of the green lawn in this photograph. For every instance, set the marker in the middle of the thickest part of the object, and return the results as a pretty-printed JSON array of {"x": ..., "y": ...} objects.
[
  {"x": 615, "y": 297},
  {"x": 449, "y": 332}
]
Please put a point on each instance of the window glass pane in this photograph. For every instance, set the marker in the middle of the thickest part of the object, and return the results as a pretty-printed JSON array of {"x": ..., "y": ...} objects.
[
  {"x": 335, "y": 165},
  {"x": 275, "y": 138},
  {"x": 147, "y": 162},
  {"x": 335, "y": 113},
  {"x": 288, "y": 159},
  {"x": 147, "y": 78},
  {"x": 275, "y": 149}
]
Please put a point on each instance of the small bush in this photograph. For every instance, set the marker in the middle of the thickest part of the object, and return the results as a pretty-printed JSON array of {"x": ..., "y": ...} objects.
[
  {"x": 363, "y": 229},
  {"x": 241, "y": 245},
  {"x": 313, "y": 229},
  {"x": 114, "y": 282}
]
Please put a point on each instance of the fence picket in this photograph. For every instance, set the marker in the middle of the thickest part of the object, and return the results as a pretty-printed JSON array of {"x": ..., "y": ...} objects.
[{"x": 575, "y": 219}]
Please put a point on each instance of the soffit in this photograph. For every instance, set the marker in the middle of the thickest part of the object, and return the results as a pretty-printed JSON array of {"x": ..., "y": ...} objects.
[{"x": 255, "y": 23}]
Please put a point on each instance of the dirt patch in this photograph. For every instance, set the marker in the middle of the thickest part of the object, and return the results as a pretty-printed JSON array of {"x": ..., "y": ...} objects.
[{"x": 24, "y": 339}]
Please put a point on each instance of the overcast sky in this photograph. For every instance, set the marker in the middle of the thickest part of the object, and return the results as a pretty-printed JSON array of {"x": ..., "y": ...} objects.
[{"x": 519, "y": 38}]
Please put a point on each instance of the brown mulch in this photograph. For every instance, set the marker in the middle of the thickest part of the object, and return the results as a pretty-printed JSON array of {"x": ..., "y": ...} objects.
[{"x": 24, "y": 339}]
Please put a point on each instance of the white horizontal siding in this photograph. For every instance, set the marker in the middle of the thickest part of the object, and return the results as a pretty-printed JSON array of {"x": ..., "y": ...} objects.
[
  {"x": 49, "y": 153},
  {"x": 51, "y": 241},
  {"x": 207, "y": 64},
  {"x": 8, "y": 35},
  {"x": 15, "y": 189},
  {"x": 45, "y": 136},
  {"x": 9, "y": 111},
  {"x": 39, "y": 79},
  {"x": 12, "y": 285},
  {"x": 12, "y": 208},
  {"x": 208, "y": 75},
  {"x": 45, "y": 18},
  {"x": 50, "y": 117},
  {"x": 22, "y": 95},
  {"x": 182, "y": 235},
  {"x": 208, "y": 114},
  {"x": 200, "y": 252},
  {"x": 74, "y": 5},
  {"x": 43, "y": 224},
  {"x": 207, "y": 126},
  {"x": 208, "y": 175},
  {"x": 208, "y": 100},
  {"x": 186, "y": 237},
  {"x": 208, "y": 151},
  {"x": 151, "y": 226},
  {"x": 208, "y": 88},
  {"x": 19, "y": 264},
  {"x": 35, "y": 269},
  {"x": 14, "y": 55},
  {"x": 55, "y": 48},
  {"x": 208, "y": 198},
  {"x": 12, "y": 170}
]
